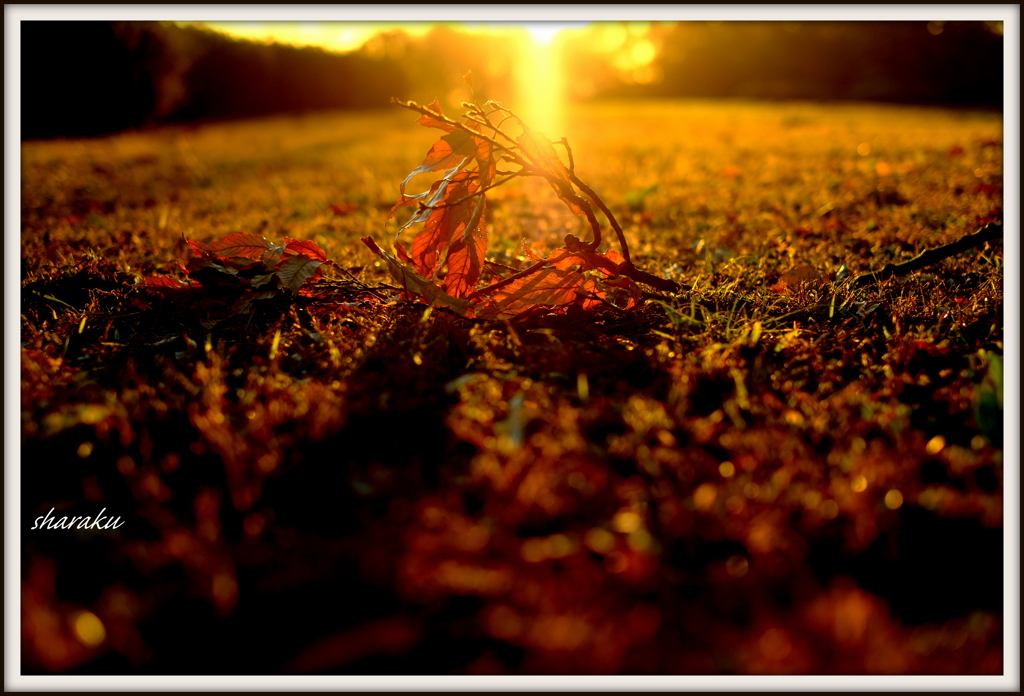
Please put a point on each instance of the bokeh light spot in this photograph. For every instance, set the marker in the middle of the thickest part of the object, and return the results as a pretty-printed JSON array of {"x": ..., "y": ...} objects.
[
  {"x": 89, "y": 629},
  {"x": 935, "y": 445},
  {"x": 704, "y": 496},
  {"x": 626, "y": 521},
  {"x": 858, "y": 484},
  {"x": 85, "y": 449},
  {"x": 893, "y": 499},
  {"x": 726, "y": 469},
  {"x": 643, "y": 52},
  {"x": 812, "y": 499},
  {"x": 863, "y": 149}
]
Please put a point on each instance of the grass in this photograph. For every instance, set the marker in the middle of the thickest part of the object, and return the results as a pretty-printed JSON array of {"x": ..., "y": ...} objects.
[{"x": 756, "y": 476}]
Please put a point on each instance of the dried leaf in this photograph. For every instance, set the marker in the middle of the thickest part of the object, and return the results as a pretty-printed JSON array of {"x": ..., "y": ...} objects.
[
  {"x": 453, "y": 150},
  {"x": 549, "y": 286},
  {"x": 466, "y": 262},
  {"x": 430, "y": 122},
  {"x": 242, "y": 244},
  {"x": 297, "y": 270},
  {"x": 445, "y": 224},
  {"x": 306, "y": 248},
  {"x": 163, "y": 284},
  {"x": 434, "y": 194},
  {"x": 417, "y": 285}
]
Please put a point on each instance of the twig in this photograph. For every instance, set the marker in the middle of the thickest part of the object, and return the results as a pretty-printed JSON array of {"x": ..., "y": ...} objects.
[
  {"x": 988, "y": 233},
  {"x": 505, "y": 281},
  {"x": 663, "y": 284}
]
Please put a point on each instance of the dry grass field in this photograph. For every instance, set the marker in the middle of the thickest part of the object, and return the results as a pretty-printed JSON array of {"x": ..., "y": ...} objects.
[{"x": 773, "y": 471}]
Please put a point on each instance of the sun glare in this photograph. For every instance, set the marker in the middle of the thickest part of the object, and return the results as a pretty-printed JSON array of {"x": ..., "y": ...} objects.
[
  {"x": 543, "y": 33},
  {"x": 541, "y": 81},
  {"x": 541, "y": 92}
]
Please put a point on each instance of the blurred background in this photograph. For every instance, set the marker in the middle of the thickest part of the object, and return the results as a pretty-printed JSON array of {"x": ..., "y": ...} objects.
[{"x": 91, "y": 78}]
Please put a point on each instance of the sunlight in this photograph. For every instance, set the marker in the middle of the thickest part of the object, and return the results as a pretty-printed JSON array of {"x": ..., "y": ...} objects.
[
  {"x": 541, "y": 79},
  {"x": 541, "y": 89},
  {"x": 543, "y": 33}
]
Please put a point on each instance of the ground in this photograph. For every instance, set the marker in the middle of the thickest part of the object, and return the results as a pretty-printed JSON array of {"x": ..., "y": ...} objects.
[{"x": 771, "y": 472}]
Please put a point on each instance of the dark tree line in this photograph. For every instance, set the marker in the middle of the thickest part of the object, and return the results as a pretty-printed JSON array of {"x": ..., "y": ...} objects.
[
  {"x": 88, "y": 78},
  {"x": 952, "y": 63}
]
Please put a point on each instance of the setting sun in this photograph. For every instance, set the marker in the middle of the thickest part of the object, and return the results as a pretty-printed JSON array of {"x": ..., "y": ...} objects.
[{"x": 544, "y": 33}]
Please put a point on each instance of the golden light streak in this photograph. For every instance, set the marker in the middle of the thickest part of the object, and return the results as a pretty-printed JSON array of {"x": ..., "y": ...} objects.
[
  {"x": 541, "y": 93},
  {"x": 332, "y": 36}
]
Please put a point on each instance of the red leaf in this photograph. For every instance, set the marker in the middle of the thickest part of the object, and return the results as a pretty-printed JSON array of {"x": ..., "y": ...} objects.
[
  {"x": 415, "y": 284},
  {"x": 549, "y": 286},
  {"x": 307, "y": 248},
  {"x": 156, "y": 282},
  {"x": 465, "y": 262},
  {"x": 402, "y": 253},
  {"x": 165, "y": 285},
  {"x": 431, "y": 122},
  {"x": 446, "y": 224},
  {"x": 453, "y": 150},
  {"x": 246, "y": 245},
  {"x": 529, "y": 252}
]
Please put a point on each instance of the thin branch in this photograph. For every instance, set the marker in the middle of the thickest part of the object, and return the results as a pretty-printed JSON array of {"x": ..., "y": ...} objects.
[
  {"x": 559, "y": 183},
  {"x": 607, "y": 213},
  {"x": 413, "y": 106},
  {"x": 564, "y": 142},
  {"x": 505, "y": 281},
  {"x": 988, "y": 233},
  {"x": 365, "y": 287},
  {"x": 664, "y": 284},
  {"x": 435, "y": 206}
]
